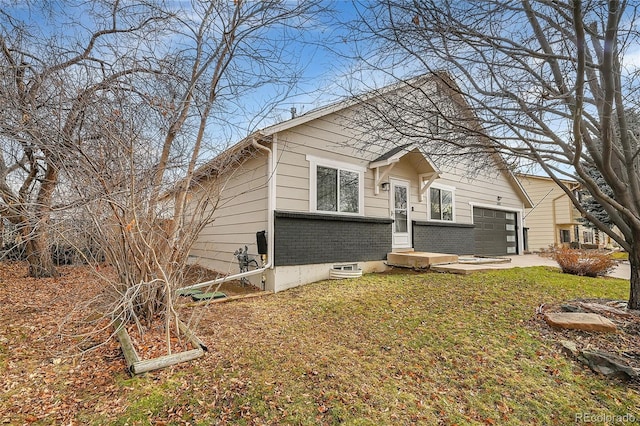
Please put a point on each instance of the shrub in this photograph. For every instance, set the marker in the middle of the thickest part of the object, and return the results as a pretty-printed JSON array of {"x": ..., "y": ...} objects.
[{"x": 590, "y": 263}]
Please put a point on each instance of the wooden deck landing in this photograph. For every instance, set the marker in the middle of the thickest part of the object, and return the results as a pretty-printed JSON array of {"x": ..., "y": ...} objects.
[{"x": 419, "y": 259}]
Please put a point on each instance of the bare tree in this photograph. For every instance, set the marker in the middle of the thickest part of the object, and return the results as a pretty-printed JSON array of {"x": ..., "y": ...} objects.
[
  {"x": 50, "y": 82},
  {"x": 547, "y": 81},
  {"x": 139, "y": 169}
]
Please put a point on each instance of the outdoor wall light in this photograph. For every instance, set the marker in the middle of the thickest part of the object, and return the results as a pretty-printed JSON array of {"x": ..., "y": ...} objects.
[{"x": 385, "y": 186}]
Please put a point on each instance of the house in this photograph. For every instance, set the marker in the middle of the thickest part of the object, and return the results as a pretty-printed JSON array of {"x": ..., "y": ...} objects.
[
  {"x": 553, "y": 220},
  {"x": 326, "y": 199}
]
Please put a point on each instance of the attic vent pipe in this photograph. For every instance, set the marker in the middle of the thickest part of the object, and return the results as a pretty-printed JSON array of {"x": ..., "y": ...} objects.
[{"x": 293, "y": 112}]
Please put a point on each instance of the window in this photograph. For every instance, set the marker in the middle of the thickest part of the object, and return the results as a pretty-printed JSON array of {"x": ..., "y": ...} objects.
[
  {"x": 565, "y": 236},
  {"x": 335, "y": 187},
  {"x": 587, "y": 237},
  {"x": 441, "y": 201}
]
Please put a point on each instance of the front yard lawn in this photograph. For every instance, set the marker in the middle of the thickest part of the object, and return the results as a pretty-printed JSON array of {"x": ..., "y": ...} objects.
[{"x": 394, "y": 348}]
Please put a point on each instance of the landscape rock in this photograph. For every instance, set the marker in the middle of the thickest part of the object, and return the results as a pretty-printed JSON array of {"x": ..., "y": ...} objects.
[
  {"x": 599, "y": 309},
  {"x": 580, "y": 321},
  {"x": 570, "y": 348},
  {"x": 571, "y": 308},
  {"x": 620, "y": 304},
  {"x": 608, "y": 364}
]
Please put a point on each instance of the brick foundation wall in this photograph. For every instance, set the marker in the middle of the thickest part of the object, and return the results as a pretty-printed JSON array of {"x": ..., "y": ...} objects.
[
  {"x": 453, "y": 238},
  {"x": 308, "y": 238}
]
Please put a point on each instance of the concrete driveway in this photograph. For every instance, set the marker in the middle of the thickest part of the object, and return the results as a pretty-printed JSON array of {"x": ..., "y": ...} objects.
[{"x": 622, "y": 271}]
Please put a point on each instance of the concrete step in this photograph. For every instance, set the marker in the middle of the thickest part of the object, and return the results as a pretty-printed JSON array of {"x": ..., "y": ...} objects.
[{"x": 419, "y": 259}]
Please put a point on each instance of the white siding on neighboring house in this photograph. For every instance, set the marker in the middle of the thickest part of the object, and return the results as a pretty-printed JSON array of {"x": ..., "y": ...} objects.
[{"x": 552, "y": 213}]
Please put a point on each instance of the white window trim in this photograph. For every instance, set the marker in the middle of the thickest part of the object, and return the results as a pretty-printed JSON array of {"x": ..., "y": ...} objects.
[
  {"x": 314, "y": 162},
  {"x": 451, "y": 189}
]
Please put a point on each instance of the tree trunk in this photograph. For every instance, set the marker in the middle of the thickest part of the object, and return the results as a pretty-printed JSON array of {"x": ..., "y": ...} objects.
[
  {"x": 39, "y": 256},
  {"x": 634, "y": 280},
  {"x": 38, "y": 249}
]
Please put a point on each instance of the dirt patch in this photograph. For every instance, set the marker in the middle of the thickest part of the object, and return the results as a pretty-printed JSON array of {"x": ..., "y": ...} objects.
[
  {"x": 196, "y": 274},
  {"x": 152, "y": 342},
  {"x": 624, "y": 343}
]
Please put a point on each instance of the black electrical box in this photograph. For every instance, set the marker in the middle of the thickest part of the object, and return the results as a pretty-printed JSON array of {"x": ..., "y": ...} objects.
[{"x": 261, "y": 239}]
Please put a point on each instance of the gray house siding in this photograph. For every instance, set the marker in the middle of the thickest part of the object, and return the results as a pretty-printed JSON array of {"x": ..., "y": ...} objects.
[
  {"x": 453, "y": 238},
  {"x": 310, "y": 238}
]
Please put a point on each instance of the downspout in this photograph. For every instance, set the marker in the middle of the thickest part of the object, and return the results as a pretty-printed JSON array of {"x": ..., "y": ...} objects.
[
  {"x": 271, "y": 192},
  {"x": 556, "y": 237}
]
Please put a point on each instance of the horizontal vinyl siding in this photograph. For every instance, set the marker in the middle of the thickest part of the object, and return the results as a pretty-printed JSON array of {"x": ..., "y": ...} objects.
[
  {"x": 542, "y": 231},
  {"x": 241, "y": 212},
  {"x": 327, "y": 138},
  {"x": 293, "y": 179},
  {"x": 485, "y": 188},
  {"x": 293, "y": 168},
  {"x": 540, "y": 219}
]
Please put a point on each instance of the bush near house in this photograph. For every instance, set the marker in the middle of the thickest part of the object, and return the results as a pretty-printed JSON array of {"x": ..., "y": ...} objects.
[{"x": 590, "y": 263}]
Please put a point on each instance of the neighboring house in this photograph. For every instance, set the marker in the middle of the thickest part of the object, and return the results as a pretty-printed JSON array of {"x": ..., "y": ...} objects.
[
  {"x": 326, "y": 199},
  {"x": 553, "y": 220}
]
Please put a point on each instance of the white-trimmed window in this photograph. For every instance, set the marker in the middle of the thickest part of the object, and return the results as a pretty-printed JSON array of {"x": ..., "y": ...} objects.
[
  {"x": 587, "y": 237},
  {"x": 441, "y": 203},
  {"x": 335, "y": 187}
]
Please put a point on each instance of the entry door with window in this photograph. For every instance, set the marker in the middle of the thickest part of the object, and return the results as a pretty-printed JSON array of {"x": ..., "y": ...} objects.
[{"x": 400, "y": 212}]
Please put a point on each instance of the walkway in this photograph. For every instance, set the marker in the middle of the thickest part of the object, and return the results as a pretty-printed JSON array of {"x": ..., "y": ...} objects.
[{"x": 622, "y": 271}]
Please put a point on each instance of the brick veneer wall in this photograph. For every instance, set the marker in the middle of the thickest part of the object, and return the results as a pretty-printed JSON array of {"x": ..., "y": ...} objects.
[
  {"x": 453, "y": 238},
  {"x": 309, "y": 238}
]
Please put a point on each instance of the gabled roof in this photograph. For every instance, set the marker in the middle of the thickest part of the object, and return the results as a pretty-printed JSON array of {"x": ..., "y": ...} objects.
[
  {"x": 571, "y": 184},
  {"x": 346, "y": 103},
  {"x": 420, "y": 161},
  {"x": 527, "y": 201},
  {"x": 392, "y": 155}
]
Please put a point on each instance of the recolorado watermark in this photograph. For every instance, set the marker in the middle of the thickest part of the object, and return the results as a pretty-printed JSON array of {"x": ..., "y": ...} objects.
[{"x": 606, "y": 418}]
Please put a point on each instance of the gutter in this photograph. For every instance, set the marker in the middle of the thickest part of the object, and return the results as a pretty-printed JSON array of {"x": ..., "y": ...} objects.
[
  {"x": 271, "y": 194},
  {"x": 271, "y": 198}
]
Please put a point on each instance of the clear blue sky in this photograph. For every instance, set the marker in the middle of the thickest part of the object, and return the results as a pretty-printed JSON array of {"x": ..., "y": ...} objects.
[
  {"x": 321, "y": 82},
  {"x": 326, "y": 72}
]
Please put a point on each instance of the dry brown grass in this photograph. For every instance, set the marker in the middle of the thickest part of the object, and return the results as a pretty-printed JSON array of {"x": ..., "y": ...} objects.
[{"x": 401, "y": 348}]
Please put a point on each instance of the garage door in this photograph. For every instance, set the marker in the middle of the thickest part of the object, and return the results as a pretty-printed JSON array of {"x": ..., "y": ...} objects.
[{"x": 495, "y": 232}]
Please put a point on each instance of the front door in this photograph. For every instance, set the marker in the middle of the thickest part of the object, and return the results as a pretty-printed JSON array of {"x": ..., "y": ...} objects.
[{"x": 400, "y": 213}]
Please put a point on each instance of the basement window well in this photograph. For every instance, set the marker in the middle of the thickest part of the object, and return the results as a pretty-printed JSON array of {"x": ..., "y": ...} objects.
[{"x": 348, "y": 270}]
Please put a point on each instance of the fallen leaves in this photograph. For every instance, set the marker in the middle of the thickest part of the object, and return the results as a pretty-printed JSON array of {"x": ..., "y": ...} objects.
[
  {"x": 46, "y": 377},
  {"x": 388, "y": 349}
]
